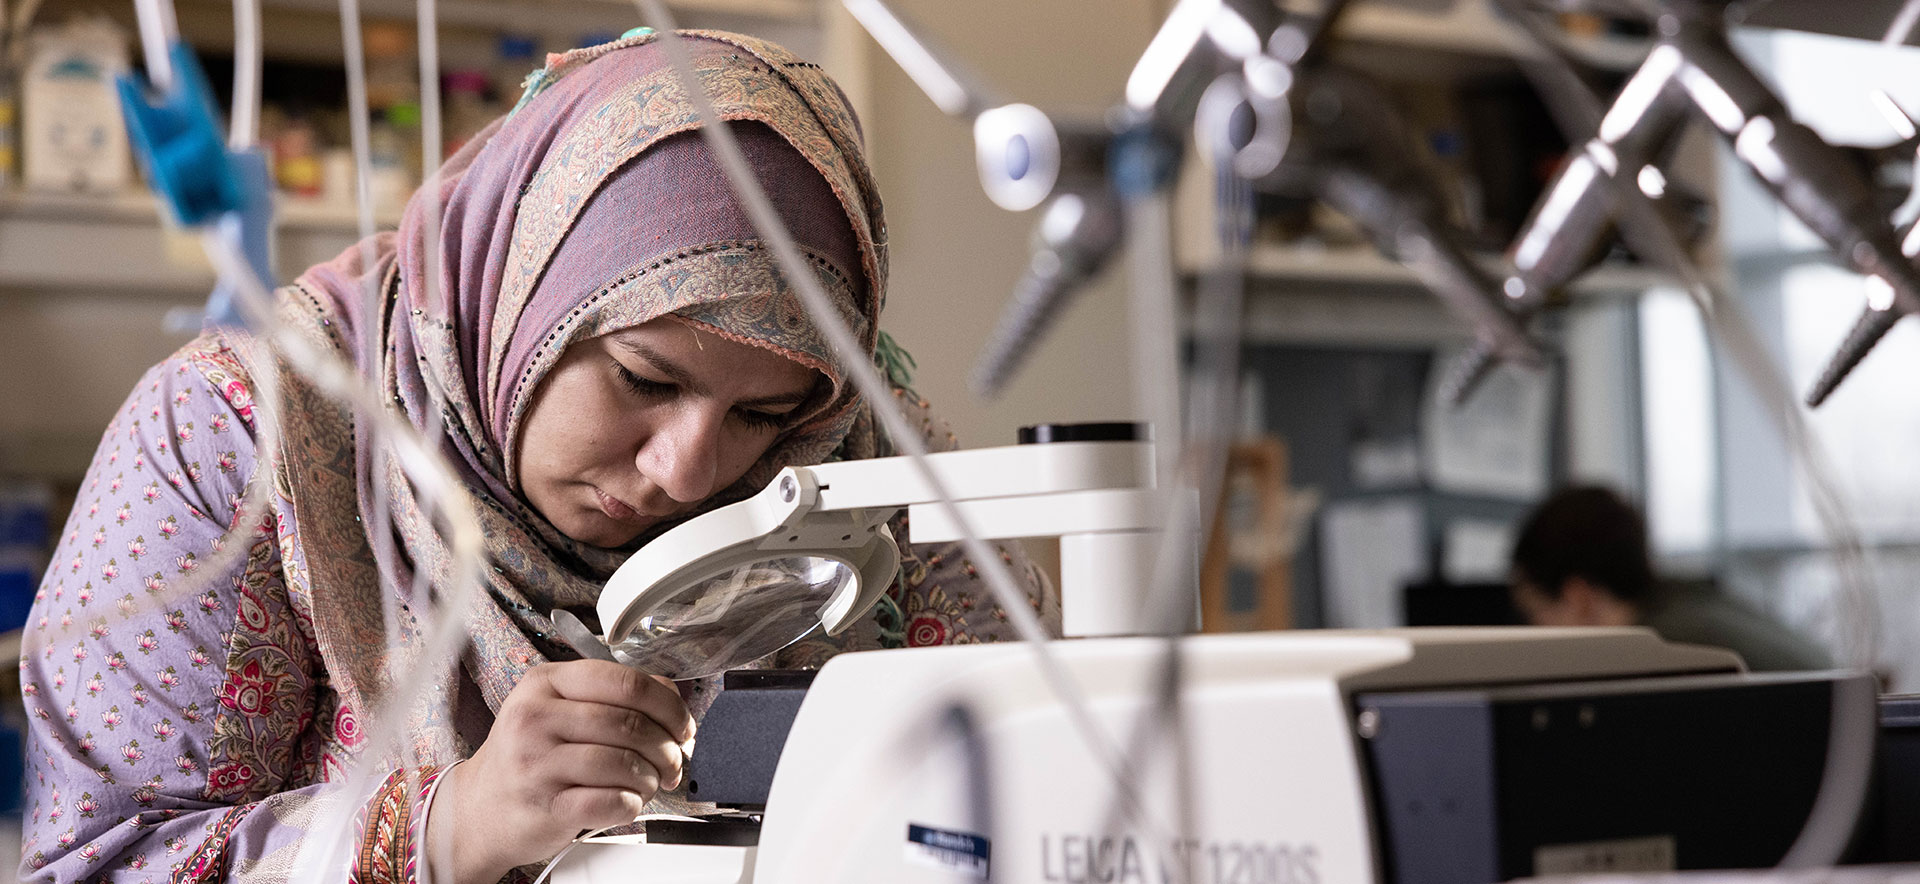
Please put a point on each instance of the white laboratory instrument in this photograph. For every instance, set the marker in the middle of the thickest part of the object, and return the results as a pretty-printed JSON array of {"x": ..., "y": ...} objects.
[
  {"x": 1312, "y": 758},
  {"x": 1444, "y": 756}
]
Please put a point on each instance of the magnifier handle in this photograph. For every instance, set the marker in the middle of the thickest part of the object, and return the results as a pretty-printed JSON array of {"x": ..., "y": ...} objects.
[{"x": 580, "y": 637}]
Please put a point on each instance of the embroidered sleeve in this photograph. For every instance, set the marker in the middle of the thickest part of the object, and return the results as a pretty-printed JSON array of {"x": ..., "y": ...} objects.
[{"x": 392, "y": 829}]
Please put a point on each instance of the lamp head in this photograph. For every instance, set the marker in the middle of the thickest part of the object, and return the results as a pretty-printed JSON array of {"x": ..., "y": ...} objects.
[{"x": 736, "y": 584}]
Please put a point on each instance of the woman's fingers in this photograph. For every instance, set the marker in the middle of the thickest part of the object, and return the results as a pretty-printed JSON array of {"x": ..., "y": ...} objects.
[
  {"x": 624, "y": 729},
  {"x": 580, "y": 722},
  {"x": 597, "y": 681},
  {"x": 576, "y": 745},
  {"x": 611, "y": 767},
  {"x": 590, "y": 807}
]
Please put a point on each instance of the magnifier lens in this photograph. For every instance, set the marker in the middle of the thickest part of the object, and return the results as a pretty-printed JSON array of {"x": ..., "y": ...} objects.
[{"x": 734, "y": 617}]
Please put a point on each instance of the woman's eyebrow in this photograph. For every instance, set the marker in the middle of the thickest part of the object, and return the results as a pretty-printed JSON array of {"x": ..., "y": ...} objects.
[
  {"x": 662, "y": 365},
  {"x": 685, "y": 379}
]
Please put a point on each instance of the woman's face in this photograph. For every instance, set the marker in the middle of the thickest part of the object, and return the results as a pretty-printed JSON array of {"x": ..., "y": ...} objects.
[{"x": 640, "y": 425}]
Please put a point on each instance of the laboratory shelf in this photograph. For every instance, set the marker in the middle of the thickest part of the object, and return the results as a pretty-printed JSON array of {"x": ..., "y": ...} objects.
[
  {"x": 52, "y": 242},
  {"x": 1362, "y": 265},
  {"x": 76, "y": 271},
  {"x": 1472, "y": 27}
]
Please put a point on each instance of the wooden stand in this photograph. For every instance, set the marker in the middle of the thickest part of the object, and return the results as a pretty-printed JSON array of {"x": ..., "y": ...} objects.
[{"x": 1246, "y": 576}]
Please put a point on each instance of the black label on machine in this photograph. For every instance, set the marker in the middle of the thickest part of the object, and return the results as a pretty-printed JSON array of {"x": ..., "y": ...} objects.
[{"x": 962, "y": 852}]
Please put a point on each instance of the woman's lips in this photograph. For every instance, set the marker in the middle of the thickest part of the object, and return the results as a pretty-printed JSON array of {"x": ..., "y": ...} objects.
[{"x": 617, "y": 509}]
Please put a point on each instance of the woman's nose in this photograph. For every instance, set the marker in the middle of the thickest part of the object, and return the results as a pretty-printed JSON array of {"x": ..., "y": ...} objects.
[{"x": 682, "y": 456}]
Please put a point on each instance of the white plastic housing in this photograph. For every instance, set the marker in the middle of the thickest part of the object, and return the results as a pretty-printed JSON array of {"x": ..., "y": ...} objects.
[{"x": 1273, "y": 759}]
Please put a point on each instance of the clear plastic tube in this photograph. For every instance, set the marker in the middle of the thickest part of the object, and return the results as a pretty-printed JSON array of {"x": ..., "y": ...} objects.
[
  {"x": 1900, "y": 28},
  {"x": 1196, "y": 485},
  {"x": 380, "y": 532}
]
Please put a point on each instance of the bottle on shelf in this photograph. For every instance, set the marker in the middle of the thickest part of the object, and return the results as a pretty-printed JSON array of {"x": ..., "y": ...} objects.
[
  {"x": 393, "y": 100},
  {"x": 9, "y": 128},
  {"x": 296, "y": 158},
  {"x": 392, "y": 74},
  {"x": 71, "y": 132}
]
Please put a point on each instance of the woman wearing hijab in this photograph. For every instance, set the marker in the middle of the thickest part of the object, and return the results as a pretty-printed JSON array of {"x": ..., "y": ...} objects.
[{"x": 607, "y": 348}]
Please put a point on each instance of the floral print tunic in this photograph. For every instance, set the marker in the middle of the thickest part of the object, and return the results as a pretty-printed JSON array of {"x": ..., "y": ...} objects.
[{"x": 182, "y": 727}]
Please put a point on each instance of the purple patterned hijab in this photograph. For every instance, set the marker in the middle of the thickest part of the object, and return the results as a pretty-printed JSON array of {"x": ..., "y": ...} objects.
[{"x": 594, "y": 207}]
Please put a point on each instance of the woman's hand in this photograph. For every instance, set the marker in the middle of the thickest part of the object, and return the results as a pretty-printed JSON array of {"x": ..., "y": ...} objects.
[{"x": 577, "y": 745}]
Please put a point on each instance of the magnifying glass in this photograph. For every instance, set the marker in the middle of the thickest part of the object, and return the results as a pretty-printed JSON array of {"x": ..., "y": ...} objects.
[
  {"x": 739, "y": 583},
  {"x": 812, "y": 550}
]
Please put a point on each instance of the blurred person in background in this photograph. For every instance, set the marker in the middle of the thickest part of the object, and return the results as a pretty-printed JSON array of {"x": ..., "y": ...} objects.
[{"x": 1581, "y": 560}]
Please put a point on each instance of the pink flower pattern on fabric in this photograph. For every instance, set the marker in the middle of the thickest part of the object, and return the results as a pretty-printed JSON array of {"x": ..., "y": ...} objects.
[
  {"x": 346, "y": 728},
  {"x": 249, "y": 690}
]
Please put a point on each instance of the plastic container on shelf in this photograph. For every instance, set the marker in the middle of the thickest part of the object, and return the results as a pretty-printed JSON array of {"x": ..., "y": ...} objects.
[
  {"x": 71, "y": 133},
  {"x": 296, "y": 158},
  {"x": 337, "y": 178}
]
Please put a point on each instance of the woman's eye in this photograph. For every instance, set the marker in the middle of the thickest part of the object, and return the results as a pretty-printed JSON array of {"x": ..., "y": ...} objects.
[
  {"x": 639, "y": 384},
  {"x": 761, "y": 420}
]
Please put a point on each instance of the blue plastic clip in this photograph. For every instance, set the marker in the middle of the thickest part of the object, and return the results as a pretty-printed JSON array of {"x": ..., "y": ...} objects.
[
  {"x": 176, "y": 136},
  {"x": 179, "y": 143}
]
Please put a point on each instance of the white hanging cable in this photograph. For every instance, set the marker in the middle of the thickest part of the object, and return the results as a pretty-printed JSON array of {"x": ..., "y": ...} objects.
[
  {"x": 372, "y": 304},
  {"x": 159, "y": 30},
  {"x": 432, "y": 481},
  {"x": 874, "y": 389},
  {"x": 244, "y": 125},
  {"x": 432, "y": 141},
  {"x": 357, "y": 121},
  {"x": 431, "y": 138},
  {"x": 1197, "y": 482}
]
